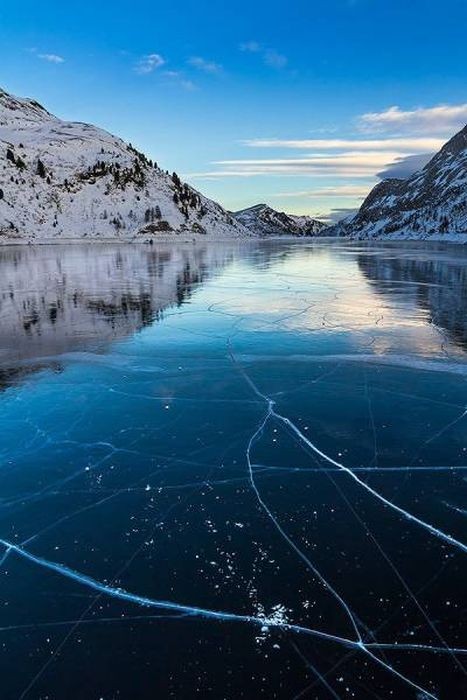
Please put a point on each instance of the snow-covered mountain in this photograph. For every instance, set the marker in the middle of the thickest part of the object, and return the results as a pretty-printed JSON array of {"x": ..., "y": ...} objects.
[
  {"x": 68, "y": 180},
  {"x": 432, "y": 202},
  {"x": 264, "y": 221}
]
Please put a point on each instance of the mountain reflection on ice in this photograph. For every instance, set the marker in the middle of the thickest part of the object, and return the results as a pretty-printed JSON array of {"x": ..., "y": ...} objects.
[{"x": 233, "y": 471}]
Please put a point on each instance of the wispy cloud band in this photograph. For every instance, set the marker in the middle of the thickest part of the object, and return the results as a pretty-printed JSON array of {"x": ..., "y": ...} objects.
[
  {"x": 204, "y": 65},
  {"x": 350, "y": 164},
  {"x": 338, "y": 191},
  {"x": 442, "y": 119},
  {"x": 51, "y": 58},
  {"x": 414, "y": 144}
]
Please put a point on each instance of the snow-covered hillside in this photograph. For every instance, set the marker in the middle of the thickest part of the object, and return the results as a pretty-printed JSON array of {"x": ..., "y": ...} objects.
[
  {"x": 265, "y": 221},
  {"x": 66, "y": 180},
  {"x": 430, "y": 203}
]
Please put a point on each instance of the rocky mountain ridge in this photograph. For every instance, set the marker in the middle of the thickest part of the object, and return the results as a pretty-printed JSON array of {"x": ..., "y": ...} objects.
[{"x": 266, "y": 221}]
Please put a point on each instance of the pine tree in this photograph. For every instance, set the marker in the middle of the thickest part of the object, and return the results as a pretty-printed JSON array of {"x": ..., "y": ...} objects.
[
  {"x": 158, "y": 213},
  {"x": 10, "y": 155},
  {"x": 41, "y": 168}
]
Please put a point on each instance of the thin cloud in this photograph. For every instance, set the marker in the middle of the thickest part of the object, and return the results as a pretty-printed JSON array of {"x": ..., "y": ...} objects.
[
  {"x": 274, "y": 59},
  {"x": 443, "y": 119},
  {"x": 336, "y": 215},
  {"x": 350, "y": 159},
  {"x": 390, "y": 144},
  {"x": 283, "y": 172},
  {"x": 179, "y": 78},
  {"x": 270, "y": 57},
  {"x": 51, "y": 58},
  {"x": 250, "y": 47},
  {"x": 188, "y": 85},
  {"x": 340, "y": 191},
  {"x": 351, "y": 164},
  {"x": 403, "y": 168},
  {"x": 205, "y": 66},
  {"x": 150, "y": 63}
]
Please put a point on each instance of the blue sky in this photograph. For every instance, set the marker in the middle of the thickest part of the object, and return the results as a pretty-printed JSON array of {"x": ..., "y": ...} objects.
[{"x": 300, "y": 104}]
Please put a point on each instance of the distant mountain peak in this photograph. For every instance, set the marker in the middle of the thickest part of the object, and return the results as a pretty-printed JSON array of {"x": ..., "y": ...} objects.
[{"x": 261, "y": 219}]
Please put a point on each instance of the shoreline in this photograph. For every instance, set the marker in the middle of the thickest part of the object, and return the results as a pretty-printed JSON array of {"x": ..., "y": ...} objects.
[
  {"x": 454, "y": 238},
  {"x": 169, "y": 238}
]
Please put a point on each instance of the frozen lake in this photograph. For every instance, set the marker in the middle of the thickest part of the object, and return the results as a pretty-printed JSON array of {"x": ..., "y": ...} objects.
[{"x": 233, "y": 471}]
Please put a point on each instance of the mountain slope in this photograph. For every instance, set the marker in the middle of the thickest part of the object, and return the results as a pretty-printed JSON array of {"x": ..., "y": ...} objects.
[
  {"x": 68, "y": 180},
  {"x": 432, "y": 201},
  {"x": 265, "y": 221}
]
